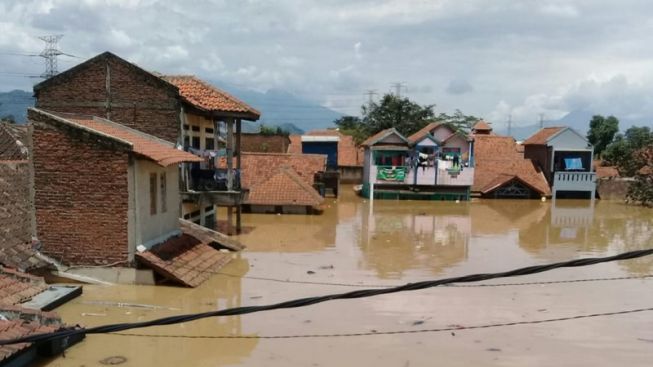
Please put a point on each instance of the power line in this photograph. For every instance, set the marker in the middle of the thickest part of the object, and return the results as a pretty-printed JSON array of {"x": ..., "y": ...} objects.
[
  {"x": 397, "y": 86},
  {"x": 303, "y": 302},
  {"x": 393, "y": 332},
  {"x": 50, "y": 54}
]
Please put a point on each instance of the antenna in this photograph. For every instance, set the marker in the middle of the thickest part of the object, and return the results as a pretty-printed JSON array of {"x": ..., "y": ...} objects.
[
  {"x": 397, "y": 86},
  {"x": 541, "y": 120},
  {"x": 370, "y": 94},
  {"x": 50, "y": 54},
  {"x": 509, "y": 125}
]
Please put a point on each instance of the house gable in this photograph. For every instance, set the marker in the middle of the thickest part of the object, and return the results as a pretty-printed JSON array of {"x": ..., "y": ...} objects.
[
  {"x": 442, "y": 132},
  {"x": 568, "y": 139}
]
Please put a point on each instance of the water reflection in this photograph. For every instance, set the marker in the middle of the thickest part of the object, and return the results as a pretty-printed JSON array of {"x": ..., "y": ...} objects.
[{"x": 397, "y": 236}]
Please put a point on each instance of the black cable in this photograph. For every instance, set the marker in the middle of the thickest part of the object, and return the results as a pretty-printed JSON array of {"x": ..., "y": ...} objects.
[
  {"x": 319, "y": 299},
  {"x": 391, "y": 332}
]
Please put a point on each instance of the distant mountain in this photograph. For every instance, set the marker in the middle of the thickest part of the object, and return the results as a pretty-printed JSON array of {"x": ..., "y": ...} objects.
[
  {"x": 578, "y": 120},
  {"x": 280, "y": 108},
  {"x": 15, "y": 103},
  {"x": 254, "y": 127}
]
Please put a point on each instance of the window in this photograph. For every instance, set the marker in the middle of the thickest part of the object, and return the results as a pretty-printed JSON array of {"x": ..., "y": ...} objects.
[
  {"x": 209, "y": 130},
  {"x": 208, "y": 208},
  {"x": 186, "y": 141},
  {"x": 152, "y": 193},
  {"x": 195, "y": 128},
  {"x": 196, "y": 142},
  {"x": 210, "y": 144},
  {"x": 186, "y": 127},
  {"x": 164, "y": 206}
]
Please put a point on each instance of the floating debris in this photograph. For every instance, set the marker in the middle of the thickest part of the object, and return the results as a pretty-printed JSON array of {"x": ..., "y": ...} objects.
[{"x": 113, "y": 360}]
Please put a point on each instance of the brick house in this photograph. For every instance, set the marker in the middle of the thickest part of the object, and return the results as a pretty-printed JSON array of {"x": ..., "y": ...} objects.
[
  {"x": 110, "y": 87},
  {"x": 260, "y": 143},
  {"x": 102, "y": 189}
]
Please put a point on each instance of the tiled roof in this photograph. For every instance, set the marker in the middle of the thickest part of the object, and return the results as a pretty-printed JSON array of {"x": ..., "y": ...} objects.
[
  {"x": 18, "y": 322},
  {"x": 12, "y": 142},
  {"x": 260, "y": 167},
  {"x": 209, "y": 236},
  {"x": 284, "y": 187},
  {"x": 17, "y": 287},
  {"x": 604, "y": 171},
  {"x": 542, "y": 136},
  {"x": 185, "y": 260},
  {"x": 497, "y": 161},
  {"x": 22, "y": 257},
  {"x": 148, "y": 146},
  {"x": 481, "y": 125},
  {"x": 423, "y": 131},
  {"x": 380, "y": 135},
  {"x": 349, "y": 155},
  {"x": 206, "y": 97}
]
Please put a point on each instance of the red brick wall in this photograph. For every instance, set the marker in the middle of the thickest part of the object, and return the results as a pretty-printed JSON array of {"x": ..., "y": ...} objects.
[
  {"x": 81, "y": 196},
  {"x": 264, "y": 143},
  {"x": 136, "y": 99}
]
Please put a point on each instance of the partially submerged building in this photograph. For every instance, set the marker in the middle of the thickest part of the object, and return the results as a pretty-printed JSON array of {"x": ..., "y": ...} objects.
[
  {"x": 342, "y": 153},
  {"x": 435, "y": 163},
  {"x": 281, "y": 183},
  {"x": 565, "y": 157},
  {"x": 211, "y": 122},
  {"x": 501, "y": 171},
  {"x": 105, "y": 192}
]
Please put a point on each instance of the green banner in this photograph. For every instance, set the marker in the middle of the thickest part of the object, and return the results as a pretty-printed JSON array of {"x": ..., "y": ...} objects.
[{"x": 391, "y": 174}]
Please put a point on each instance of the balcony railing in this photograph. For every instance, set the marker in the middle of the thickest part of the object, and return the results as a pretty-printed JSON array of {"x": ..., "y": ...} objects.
[
  {"x": 212, "y": 179},
  {"x": 447, "y": 175},
  {"x": 574, "y": 181}
]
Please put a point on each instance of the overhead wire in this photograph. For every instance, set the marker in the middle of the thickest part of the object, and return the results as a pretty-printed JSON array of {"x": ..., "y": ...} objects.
[{"x": 303, "y": 302}]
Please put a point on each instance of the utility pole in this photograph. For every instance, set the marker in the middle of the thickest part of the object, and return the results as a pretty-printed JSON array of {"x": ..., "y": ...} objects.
[
  {"x": 50, "y": 54},
  {"x": 370, "y": 95},
  {"x": 397, "y": 86},
  {"x": 509, "y": 125},
  {"x": 541, "y": 120}
]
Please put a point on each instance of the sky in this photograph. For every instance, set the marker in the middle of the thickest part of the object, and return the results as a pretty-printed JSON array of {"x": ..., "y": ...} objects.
[{"x": 490, "y": 59}]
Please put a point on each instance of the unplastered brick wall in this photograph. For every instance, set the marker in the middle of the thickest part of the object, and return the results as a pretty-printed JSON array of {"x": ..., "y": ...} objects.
[
  {"x": 15, "y": 207},
  {"x": 81, "y": 195},
  {"x": 110, "y": 87}
]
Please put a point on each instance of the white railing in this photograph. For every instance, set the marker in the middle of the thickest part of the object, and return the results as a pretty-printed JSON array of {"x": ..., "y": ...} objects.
[
  {"x": 446, "y": 176},
  {"x": 574, "y": 181}
]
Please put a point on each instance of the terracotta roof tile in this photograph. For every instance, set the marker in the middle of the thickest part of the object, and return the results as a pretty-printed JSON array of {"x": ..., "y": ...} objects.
[
  {"x": 284, "y": 187},
  {"x": 160, "y": 151},
  {"x": 12, "y": 142},
  {"x": 497, "y": 161},
  {"x": 22, "y": 257},
  {"x": 423, "y": 131},
  {"x": 260, "y": 167},
  {"x": 19, "y": 322},
  {"x": 481, "y": 125},
  {"x": 541, "y": 136},
  {"x": 206, "y": 97},
  {"x": 184, "y": 260},
  {"x": 17, "y": 287}
]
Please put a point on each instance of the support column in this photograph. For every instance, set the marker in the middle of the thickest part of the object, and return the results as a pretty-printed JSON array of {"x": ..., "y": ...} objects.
[
  {"x": 239, "y": 207},
  {"x": 230, "y": 154}
]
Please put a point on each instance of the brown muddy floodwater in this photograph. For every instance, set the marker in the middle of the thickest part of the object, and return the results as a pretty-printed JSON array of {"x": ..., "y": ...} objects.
[{"x": 388, "y": 243}]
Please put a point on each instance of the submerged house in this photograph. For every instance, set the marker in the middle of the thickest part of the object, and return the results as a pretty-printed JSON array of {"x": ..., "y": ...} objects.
[
  {"x": 106, "y": 193},
  {"x": 435, "y": 163},
  {"x": 179, "y": 109},
  {"x": 565, "y": 157},
  {"x": 501, "y": 170},
  {"x": 342, "y": 153},
  {"x": 211, "y": 121}
]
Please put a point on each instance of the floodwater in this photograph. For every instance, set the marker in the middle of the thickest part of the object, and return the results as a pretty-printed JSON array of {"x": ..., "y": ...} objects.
[{"x": 356, "y": 243}]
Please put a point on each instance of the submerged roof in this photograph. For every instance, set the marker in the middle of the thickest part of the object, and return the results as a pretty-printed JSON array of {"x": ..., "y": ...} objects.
[
  {"x": 498, "y": 161},
  {"x": 284, "y": 187},
  {"x": 207, "y": 97},
  {"x": 158, "y": 150},
  {"x": 542, "y": 136}
]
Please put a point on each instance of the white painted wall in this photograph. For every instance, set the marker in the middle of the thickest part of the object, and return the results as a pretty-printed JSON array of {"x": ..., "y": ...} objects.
[{"x": 151, "y": 229}]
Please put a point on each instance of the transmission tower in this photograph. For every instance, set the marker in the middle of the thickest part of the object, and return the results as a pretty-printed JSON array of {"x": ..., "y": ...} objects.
[
  {"x": 370, "y": 94},
  {"x": 50, "y": 54},
  {"x": 397, "y": 86}
]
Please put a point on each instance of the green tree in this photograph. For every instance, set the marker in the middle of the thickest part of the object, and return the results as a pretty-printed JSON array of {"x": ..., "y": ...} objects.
[
  {"x": 620, "y": 152},
  {"x": 352, "y": 125},
  {"x": 640, "y": 191},
  {"x": 8, "y": 118},
  {"x": 459, "y": 120},
  {"x": 393, "y": 111},
  {"x": 271, "y": 130},
  {"x": 602, "y": 131}
]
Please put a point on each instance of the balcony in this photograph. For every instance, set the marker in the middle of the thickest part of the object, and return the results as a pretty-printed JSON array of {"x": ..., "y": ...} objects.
[
  {"x": 447, "y": 175},
  {"x": 210, "y": 186},
  {"x": 574, "y": 181}
]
